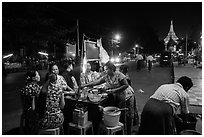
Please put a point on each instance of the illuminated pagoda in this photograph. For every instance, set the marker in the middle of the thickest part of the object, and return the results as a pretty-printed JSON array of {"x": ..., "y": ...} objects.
[{"x": 171, "y": 39}]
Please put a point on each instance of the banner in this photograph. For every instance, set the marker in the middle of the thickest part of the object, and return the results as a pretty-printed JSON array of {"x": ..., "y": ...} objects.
[{"x": 104, "y": 57}]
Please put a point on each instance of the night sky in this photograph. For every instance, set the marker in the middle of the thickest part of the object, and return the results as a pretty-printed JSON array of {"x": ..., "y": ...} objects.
[{"x": 125, "y": 17}]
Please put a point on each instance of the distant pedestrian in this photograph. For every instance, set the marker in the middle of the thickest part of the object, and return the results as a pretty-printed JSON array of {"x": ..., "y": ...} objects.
[
  {"x": 149, "y": 62},
  {"x": 139, "y": 61},
  {"x": 157, "y": 117}
]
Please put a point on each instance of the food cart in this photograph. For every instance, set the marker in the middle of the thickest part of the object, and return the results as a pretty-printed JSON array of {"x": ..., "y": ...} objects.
[{"x": 89, "y": 98}]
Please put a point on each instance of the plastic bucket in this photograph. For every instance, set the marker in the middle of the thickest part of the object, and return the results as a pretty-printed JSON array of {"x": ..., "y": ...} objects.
[
  {"x": 190, "y": 132},
  {"x": 111, "y": 118}
]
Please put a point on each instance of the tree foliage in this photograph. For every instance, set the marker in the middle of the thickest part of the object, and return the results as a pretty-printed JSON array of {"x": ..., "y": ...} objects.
[{"x": 33, "y": 28}]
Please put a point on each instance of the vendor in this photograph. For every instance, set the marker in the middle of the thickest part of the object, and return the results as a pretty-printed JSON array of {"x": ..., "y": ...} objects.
[
  {"x": 120, "y": 93},
  {"x": 89, "y": 75}
]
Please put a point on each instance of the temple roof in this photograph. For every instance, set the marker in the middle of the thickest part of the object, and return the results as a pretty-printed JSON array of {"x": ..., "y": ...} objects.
[{"x": 171, "y": 34}]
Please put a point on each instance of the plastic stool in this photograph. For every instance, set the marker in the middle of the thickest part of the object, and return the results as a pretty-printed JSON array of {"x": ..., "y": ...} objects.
[
  {"x": 54, "y": 131},
  {"x": 82, "y": 129},
  {"x": 113, "y": 130}
]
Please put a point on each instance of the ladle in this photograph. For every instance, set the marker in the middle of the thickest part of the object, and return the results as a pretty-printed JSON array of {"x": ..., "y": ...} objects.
[{"x": 119, "y": 110}]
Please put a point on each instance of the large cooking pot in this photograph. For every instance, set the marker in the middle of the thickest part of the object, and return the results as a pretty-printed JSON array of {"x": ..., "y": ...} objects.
[{"x": 111, "y": 116}]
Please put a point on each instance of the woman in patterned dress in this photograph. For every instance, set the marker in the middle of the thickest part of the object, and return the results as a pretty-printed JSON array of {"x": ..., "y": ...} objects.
[
  {"x": 60, "y": 79},
  {"x": 120, "y": 93},
  {"x": 29, "y": 95},
  {"x": 51, "y": 103}
]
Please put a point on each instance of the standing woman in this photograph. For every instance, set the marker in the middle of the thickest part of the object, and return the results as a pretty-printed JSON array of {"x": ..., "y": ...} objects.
[
  {"x": 29, "y": 95},
  {"x": 51, "y": 103},
  {"x": 120, "y": 93}
]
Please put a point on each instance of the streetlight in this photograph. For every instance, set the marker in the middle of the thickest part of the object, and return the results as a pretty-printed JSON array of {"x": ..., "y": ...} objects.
[
  {"x": 137, "y": 49},
  {"x": 9, "y": 55},
  {"x": 115, "y": 42},
  {"x": 42, "y": 53},
  {"x": 117, "y": 37}
]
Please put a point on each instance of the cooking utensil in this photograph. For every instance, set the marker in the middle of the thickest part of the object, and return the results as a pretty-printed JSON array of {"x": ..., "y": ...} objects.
[{"x": 119, "y": 110}]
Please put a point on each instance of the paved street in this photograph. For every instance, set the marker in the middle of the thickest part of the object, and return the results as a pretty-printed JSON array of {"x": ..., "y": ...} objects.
[
  {"x": 147, "y": 82},
  {"x": 144, "y": 84}
]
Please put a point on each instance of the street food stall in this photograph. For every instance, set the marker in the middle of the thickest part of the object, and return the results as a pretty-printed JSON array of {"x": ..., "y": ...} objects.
[{"x": 84, "y": 104}]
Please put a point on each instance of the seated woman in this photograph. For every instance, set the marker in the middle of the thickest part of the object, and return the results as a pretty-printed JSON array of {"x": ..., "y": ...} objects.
[
  {"x": 29, "y": 95},
  {"x": 51, "y": 103},
  {"x": 89, "y": 75},
  {"x": 120, "y": 93},
  {"x": 60, "y": 79},
  {"x": 69, "y": 76}
]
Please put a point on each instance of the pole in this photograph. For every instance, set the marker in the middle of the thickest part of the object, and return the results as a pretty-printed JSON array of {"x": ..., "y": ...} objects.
[
  {"x": 186, "y": 45},
  {"x": 77, "y": 48},
  {"x": 83, "y": 48}
]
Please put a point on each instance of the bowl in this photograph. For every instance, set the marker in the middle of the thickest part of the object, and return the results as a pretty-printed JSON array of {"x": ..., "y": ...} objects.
[
  {"x": 94, "y": 97},
  {"x": 94, "y": 91}
]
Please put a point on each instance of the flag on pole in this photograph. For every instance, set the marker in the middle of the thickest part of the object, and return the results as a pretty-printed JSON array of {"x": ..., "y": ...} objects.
[
  {"x": 103, "y": 54},
  {"x": 84, "y": 59}
]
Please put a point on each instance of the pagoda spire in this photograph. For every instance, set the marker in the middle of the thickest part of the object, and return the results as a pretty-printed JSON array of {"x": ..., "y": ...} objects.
[{"x": 171, "y": 35}]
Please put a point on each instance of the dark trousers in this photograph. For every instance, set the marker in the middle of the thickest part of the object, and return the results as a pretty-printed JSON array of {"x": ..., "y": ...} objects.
[
  {"x": 149, "y": 65},
  {"x": 139, "y": 64},
  {"x": 157, "y": 119}
]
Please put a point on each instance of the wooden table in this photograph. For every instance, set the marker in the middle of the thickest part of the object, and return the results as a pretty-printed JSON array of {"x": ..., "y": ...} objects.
[{"x": 94, "y": 113}]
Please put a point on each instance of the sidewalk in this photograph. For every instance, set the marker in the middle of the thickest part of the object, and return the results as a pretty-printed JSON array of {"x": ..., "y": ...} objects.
[
  {"x": 195, "y": 93},
  {"x": 195, "y": 74}
]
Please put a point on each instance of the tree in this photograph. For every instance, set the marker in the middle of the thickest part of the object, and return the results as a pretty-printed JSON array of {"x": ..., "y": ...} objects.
[{"x": 33, "y": 26}]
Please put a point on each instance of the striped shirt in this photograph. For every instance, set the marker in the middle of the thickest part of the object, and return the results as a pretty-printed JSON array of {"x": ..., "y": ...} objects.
[{"x": 173, "y": 94}]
